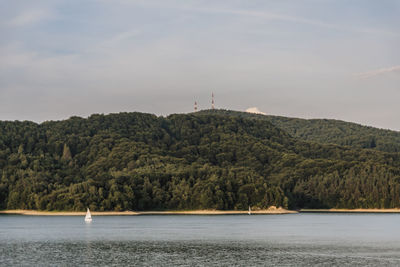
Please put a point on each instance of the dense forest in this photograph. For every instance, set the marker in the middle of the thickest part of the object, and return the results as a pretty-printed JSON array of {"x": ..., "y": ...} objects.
[
  {"x": 327, "y": 131},
  {"x": 204, "y": 160}
]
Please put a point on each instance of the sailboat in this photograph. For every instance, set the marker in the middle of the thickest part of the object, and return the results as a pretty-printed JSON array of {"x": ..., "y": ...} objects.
[
  {"x": 88, "y": 217},
  {"x": 249, "y": 211}
]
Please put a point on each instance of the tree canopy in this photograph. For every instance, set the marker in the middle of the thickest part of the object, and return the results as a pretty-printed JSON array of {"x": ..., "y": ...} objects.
[
  {"x": 327, "y": 131},
  {"x": 205, "y": 160}
]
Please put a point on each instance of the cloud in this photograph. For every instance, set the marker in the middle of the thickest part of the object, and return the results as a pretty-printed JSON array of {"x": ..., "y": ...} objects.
[
  {"x": 369, "y": 74},
  {"x": 255, "y": 110},
  {"x": 301, "y": 20},
  {"x": 119, "y": 38},
  {"x": 269, "y": 16},
  {"x": 29, "y": 17},
  {"x": 273, "y": 16}
]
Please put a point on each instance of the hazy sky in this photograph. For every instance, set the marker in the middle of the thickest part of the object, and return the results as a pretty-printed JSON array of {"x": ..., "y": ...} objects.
[{"x": 311, "y": 58}]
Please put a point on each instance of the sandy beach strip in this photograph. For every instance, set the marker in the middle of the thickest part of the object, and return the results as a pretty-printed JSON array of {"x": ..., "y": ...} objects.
[
  {"x": 218, "y": 212},
  {"x": 66, "y": 213},
  {"x": 127, "y": 213},
  {"x": 351, "y": 210}
]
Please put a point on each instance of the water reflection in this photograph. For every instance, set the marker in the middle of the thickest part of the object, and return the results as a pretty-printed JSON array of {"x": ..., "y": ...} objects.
[{"x": 308, "y": 239}]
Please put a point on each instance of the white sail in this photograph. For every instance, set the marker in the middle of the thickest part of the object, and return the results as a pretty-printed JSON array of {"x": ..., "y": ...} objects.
[
  {"x": 88, "y": 217},
  {"x": 249, "y": 211}
]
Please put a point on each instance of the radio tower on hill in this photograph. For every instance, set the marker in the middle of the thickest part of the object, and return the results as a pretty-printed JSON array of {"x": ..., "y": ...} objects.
[
  {"x": 195, "y": 106},
  {"x": 212, "y": 101}
]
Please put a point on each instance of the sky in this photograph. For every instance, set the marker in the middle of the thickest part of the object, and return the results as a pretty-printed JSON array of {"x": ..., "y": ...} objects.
[{"x": 334, "y": 59}]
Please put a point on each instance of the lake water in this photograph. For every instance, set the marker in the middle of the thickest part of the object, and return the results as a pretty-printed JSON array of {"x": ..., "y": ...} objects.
[{"x": 190, "y": 240}]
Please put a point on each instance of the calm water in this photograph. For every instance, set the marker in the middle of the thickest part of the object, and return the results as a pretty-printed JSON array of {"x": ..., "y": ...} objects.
[{"x": 296, "y": 239}]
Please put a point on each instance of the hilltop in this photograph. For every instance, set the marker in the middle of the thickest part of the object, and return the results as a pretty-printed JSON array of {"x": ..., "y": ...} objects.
[{"x": 326, "y": 131}]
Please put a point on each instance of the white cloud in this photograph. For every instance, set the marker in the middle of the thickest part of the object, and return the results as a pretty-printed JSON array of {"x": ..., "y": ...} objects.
[
  {"x": 255, "y": 110},
  {"x": 369, "y": 74}
]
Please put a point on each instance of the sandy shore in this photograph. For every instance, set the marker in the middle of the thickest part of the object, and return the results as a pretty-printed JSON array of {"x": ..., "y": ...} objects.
[
  {"x": 353, "y": 210},
  {"x": 194, "y": 212},
  {"x": 126, "y": 213},
  {"x": 66, "y": 213},
  {"x": 218, "y": 212}
]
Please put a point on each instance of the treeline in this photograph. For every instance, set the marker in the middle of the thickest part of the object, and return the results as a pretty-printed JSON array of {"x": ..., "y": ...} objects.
[
  {"x": 136, "y": 161},
  {"x": 326, "y": 131}
]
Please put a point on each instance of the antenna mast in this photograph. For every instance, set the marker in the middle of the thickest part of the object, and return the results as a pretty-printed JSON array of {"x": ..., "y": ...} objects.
[{"x": 212, "y": 101}]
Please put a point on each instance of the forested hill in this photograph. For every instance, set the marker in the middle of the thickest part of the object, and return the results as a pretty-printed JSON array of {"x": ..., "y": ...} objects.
[
  {"x": 137, "y": 161},
  {"x": 327, "y": 131}
]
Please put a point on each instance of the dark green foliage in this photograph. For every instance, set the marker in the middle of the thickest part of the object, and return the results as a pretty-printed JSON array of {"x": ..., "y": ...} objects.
[
  {"x": 327, "y": 131},
  {"x": 136, "y": 161}
]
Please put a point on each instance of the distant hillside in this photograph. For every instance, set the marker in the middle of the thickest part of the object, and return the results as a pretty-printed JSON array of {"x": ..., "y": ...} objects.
[
  {"x": 328, "y": 131},
  {"x": 137, "y": 161}
]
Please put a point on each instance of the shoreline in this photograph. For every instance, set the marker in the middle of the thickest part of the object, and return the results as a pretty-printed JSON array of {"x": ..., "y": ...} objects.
[
  {"x": 137, "y": 213},
  {"x": 349, "y": 211},
  {"x": 276, "y": 211}
]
